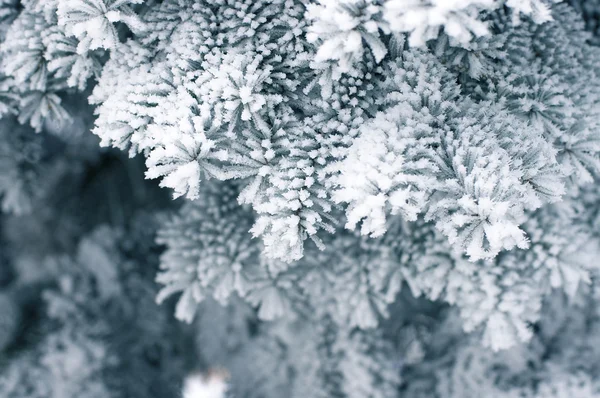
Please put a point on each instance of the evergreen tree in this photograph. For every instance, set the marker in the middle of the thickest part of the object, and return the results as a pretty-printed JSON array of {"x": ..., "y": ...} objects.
[{"x": 371, "y": 198}]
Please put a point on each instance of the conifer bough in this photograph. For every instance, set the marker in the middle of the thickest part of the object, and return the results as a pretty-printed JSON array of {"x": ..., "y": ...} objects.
[{"x": 346, "y": 164}]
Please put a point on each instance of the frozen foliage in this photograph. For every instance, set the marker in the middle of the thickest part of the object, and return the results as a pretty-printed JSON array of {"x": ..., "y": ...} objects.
[
  {"x": 374, "y": 198},
  {"x": 344, "y": 27},
  {"x": 91, "y": 21},
  {"x": 247, "y": 117}
]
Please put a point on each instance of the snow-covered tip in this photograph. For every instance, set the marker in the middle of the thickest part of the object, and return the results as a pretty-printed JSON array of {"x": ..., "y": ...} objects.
[
  {"x": 343, "y": 28},
  {"x": 93, "y": 21},
  {"x": 212, "y": 384}
]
